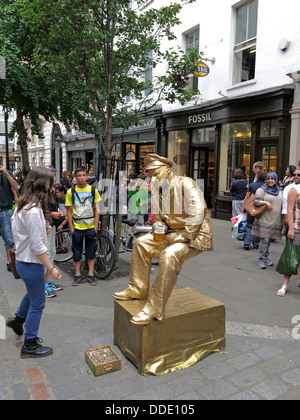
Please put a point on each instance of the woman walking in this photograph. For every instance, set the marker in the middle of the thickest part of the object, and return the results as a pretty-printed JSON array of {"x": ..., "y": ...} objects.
[
  {"x": 238, "y": 191},
  {"x": 29, "y": 225},
  {"x": 269, "y": 226}
]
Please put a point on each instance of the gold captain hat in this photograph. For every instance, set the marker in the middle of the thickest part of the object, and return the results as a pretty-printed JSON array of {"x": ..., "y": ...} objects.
[{"x": 153, "y": 161}]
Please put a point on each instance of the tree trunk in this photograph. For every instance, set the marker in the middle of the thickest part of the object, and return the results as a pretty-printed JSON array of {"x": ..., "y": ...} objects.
[{"x": 21, "y": 132}]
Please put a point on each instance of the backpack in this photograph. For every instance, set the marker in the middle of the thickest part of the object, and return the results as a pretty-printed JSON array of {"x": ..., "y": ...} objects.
[{"x": 74, "y": 192}]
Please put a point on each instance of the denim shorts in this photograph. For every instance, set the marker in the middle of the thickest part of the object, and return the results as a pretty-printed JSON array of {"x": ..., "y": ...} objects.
[
  {"x": 89, "y": 235},
  {"x": 5, "y": 223}
]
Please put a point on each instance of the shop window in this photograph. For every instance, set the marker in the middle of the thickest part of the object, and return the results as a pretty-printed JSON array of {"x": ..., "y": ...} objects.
[
  {"x": 269, "y": 128},
  {"x": 235, "y": 152},
  {"x": 245, "y": 42},
  {"x": 177, "y": 144}
]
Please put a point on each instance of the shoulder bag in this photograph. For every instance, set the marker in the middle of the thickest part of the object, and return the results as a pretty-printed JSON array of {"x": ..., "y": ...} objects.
[
  {"x": 249, "y": 207},
  {"x": 13, "y": 264}
]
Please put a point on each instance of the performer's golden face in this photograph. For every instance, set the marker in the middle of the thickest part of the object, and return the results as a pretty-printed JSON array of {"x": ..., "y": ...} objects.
[{"x": 161, "y": 172}]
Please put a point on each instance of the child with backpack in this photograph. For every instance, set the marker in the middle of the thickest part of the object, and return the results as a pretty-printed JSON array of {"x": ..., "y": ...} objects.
[{"x": 83, "y": 218}]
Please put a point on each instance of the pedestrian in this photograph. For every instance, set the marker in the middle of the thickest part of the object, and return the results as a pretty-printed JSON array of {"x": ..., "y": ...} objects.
[
  {"x": 293, "y": 220},
  {"x": 253, "y": 187},
  {"x": 238, "y": 191},
  {"x": 269, "y": 226},
  {"x": 55, "y": 214},
  {"x": 289, "y": 176},
  {"x": 7, "y": 184},
  {"x": 83, "y": 218},
  {"x": 257, "y": 168},
  {"x": 29, "y": 224},
  {"x": 65, "y": 180}
]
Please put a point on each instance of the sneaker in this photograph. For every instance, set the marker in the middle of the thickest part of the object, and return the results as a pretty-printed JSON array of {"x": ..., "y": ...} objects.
[
  {"x": 246, "y": 247},
  {"x": 76, "y": 281},
  {"x": 261, "y": 265},
  {"x": 54, "y": 286},
  {"x": 92, "y": 281},
  {"x": 49, "y": 292},
  {"x": 268, "y": 262},
  {"x": 8, "y": 266}
]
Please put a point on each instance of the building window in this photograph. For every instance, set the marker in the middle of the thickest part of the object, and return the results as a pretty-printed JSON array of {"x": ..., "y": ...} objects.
[
  {"x": 148, "y": 74},
  {"x": 269, "y": 128},
  {"x": 192, "y": 41},
  {"x": 269, "y": 158},
  {"x": 245, "y": 42},
  {"x": 234, "y": 152}
]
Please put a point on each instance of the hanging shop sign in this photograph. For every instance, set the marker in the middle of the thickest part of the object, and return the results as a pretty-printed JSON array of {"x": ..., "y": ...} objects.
[
  {"x": 202, "y": 69},
  {"x": 179, "y": 159}
]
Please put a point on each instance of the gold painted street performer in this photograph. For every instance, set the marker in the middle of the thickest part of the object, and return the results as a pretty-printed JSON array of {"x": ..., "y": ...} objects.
[{"x": 181, "y": 230}]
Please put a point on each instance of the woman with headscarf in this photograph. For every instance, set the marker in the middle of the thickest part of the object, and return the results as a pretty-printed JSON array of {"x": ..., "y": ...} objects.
[{"x": 269, "y": 226}]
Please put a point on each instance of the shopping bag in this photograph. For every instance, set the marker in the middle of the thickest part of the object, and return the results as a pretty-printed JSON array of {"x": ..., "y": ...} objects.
[
  {"x": 289, "y": 261},
  {"x": 239, "y": 226}
]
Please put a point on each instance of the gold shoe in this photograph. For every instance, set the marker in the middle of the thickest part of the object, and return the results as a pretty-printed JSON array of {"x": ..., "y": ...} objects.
[
  {"x": 127, "y": 295},
  {"x": 142, "y": 318}
]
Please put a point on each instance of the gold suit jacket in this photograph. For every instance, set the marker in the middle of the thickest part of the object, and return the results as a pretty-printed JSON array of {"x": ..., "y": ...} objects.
[{"x": 182, "y": 209}]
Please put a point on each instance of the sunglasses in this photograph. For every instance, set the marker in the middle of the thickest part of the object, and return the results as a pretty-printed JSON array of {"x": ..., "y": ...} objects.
[{"x": 298, "y": 175}]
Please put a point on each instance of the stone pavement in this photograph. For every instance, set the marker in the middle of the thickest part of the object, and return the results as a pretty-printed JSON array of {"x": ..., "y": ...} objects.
[{"x": 261, "y": 360}]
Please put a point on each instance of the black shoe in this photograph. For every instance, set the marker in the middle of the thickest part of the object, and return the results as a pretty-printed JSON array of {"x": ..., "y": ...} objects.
[
  {"x": 246, "y": 247},
  {"x": 92, "y": 281},
  {"x": 32, "y": 348},
  {"x": 76, "y": 281},
  {"x": 8, "y": 266},
  {"x": 16, "y": 324}
]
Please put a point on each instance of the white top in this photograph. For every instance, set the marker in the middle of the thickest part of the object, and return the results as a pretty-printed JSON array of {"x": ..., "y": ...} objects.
[
  {"x": 29, "y": 233},
  {"x": 285, "y": 194}
]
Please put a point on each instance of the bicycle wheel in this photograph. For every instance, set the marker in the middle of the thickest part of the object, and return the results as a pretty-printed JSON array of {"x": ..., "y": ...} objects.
[
  {"x": 105, "y": 258},
  {"x": 63, "y": 243}
]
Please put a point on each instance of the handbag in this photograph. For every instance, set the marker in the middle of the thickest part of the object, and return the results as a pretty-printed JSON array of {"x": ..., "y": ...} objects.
[
  {"x": 289, "y": 261},
  {"x": 254, "y": 211},
  {"x": 13, "y": 264}
]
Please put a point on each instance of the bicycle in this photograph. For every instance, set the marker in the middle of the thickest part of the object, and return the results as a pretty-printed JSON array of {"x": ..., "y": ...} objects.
[
  {"x": 105, "y": 258},
  {"x": 130, "y": 236}
]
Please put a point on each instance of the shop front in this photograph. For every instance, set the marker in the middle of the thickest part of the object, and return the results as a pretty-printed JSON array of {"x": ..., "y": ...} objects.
[
  {"x": 82, "y": 150},
  {"x": 139, "y": 140},
  {"x": 209, "y": 142}
]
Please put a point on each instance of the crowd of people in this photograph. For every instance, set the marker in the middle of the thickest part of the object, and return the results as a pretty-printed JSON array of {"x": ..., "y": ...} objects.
[{"x": 281, "y": 216}]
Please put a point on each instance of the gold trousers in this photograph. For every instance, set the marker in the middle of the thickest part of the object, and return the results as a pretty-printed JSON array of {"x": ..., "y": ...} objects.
[{"x": 171, "y": 257}]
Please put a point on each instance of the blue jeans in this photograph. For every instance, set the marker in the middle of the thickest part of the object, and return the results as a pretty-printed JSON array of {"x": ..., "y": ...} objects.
[
  {"x": 249, "y": 238},
  {"x": 5, "y": 223},
  {"x": 33, "y": 303}
]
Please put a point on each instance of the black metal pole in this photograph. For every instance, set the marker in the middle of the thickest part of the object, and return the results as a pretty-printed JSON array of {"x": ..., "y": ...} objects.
[{"x": 6, "y": 139}]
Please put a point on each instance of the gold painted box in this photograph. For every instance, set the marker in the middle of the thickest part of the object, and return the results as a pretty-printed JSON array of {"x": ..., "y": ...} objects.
[
  {"x": 102, "y": 360},
  {"x": 193, "y": 327}
]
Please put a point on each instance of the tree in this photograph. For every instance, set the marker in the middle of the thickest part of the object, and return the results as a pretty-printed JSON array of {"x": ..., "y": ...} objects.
[
  {"x": 101, "y": 49},
  {"x": 25, "y": 89}
]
